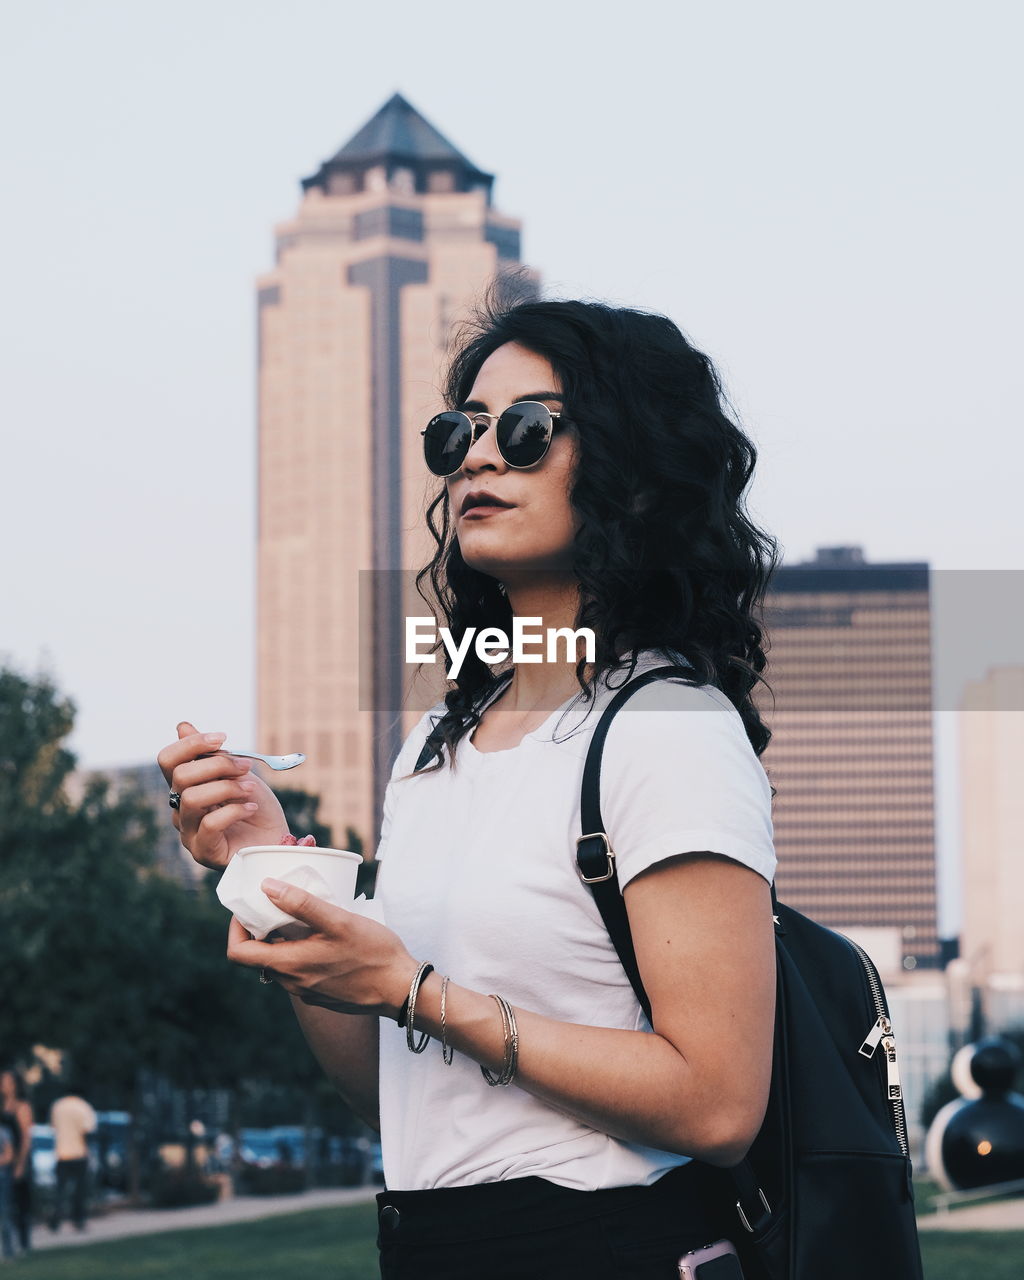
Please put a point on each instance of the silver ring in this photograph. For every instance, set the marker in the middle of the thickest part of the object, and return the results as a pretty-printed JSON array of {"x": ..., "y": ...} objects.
[
  {"x": 174, "y": 799},
  {"x": 264, "y": 979}
]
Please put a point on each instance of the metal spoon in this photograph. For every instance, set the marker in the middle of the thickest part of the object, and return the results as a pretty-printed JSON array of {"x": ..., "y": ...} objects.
[{"x": 275, "y": 762}]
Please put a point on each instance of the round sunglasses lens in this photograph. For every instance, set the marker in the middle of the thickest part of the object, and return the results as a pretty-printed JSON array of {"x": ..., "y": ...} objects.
[
  {"x": 446, "y": 442},
  {"x": 524, "y": 433}
]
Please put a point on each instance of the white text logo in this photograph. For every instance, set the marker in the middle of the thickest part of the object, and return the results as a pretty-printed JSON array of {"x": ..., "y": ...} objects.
[{"x": 530, "y": 642}]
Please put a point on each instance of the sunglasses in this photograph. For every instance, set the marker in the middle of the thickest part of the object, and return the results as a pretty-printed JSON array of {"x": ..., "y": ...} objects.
[{"x": 522, "y": 433}]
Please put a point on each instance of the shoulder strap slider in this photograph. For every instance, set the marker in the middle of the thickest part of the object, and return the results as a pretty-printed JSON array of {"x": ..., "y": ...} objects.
[{"x": 595, "y": 862}]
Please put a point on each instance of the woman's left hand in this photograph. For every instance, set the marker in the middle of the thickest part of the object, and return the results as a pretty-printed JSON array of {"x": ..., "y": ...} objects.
[{"x": 348, "y": 963}]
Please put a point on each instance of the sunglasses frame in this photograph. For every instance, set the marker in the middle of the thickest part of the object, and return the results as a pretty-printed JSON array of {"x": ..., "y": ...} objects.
[{"x": 494, "y": 419}]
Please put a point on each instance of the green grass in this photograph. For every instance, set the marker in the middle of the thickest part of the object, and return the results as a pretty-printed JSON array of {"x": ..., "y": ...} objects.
[
  {"x": 972, "y": 1255},
  {"x": 339, "y": 1243},
  {"x": 925, "y": 1191},
  {"x": 336, "y": 1243}
]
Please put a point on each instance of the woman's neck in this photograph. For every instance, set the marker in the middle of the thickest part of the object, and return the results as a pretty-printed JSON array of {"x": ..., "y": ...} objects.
[{"x": 549, "y": 602}]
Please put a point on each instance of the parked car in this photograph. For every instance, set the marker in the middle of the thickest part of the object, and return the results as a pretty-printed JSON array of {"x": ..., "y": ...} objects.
[
  {"x": 270, "y": 1148},
  {"x": 44, "y": 1156},
  {"x": 111, "y": 1140}
]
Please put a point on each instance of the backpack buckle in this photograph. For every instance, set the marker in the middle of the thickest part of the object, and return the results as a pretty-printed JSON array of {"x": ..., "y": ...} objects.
[
  {"x": 585, "y": 857},
  {"x": 743, "y": 1216}
]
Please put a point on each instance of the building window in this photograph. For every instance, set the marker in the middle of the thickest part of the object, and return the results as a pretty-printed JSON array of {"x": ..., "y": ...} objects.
[{"x": 388, "y": 220}]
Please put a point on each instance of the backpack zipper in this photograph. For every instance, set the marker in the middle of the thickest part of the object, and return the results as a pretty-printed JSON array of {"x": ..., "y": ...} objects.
[{"x": 881, "y": 1033}]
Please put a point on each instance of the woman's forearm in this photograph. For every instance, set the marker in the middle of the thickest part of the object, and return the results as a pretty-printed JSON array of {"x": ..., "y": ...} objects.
[
  {"x": 698, "y": 1085},
  {"x": 634, "y": 1085},
  {"x": 346, "y": 1046}
]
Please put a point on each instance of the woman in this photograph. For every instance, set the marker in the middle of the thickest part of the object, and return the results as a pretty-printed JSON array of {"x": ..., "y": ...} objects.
[
  {"x": 7, "y": 1157},
  {"x": 616, "y": 505},
  {"x": 16, "y": 1117}
]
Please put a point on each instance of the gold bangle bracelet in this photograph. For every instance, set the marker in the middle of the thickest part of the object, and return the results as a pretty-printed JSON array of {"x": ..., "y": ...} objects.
[
  {"x": 447, "y": 1052},
  {"x": 513, "y": 1066},
  {"x": 510, "y": 1062}
]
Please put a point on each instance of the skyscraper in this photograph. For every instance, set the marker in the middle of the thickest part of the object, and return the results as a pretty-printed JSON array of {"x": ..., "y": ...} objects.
[
  {"x": 992, "y": 817},
  {"x": 394, "y": 240},
  {"x": 851, "y": 755}
]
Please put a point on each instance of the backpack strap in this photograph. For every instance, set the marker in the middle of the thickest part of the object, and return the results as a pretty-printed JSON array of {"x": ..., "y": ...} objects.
[
  {"x": 595, "y": 858},
  {"x": 595, "y": 862}
]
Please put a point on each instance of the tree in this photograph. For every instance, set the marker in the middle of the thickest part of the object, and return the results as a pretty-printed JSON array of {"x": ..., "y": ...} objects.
[
  {"x": 119, "y": 967},
  {"x": 34, "y": 720},
  {"x": 72, "y": 887},
  {"x": 102, "y": 956},
  {"x": 301, "y": 811}
]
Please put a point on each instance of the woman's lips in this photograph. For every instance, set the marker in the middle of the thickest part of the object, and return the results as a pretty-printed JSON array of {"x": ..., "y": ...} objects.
[
  {"x": 483, "y": 509},
  {"x": 479, "y": 501}
]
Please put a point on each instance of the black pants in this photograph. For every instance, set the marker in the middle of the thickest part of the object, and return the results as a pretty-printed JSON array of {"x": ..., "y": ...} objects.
[
  {"x": 531, "y": 1229},
  {"x": 71, "y": 1180},
  {"x": 23, "y": 1211}
]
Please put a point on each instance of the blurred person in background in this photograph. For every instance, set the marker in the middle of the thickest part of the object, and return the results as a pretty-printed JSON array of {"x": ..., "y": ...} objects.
[
  {"x": 16, "y": 1118},
  {"x": 73, "y": 1120},
  {"x": 6, "y": 1193}
]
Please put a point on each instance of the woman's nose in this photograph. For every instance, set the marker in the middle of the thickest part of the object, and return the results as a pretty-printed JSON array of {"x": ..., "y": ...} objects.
[{"x": 483, "y": 452}]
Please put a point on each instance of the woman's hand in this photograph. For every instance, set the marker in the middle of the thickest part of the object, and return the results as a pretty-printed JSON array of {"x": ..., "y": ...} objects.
[
  {"x": 348, "y": 963},
  {"x": 224, "y": 807}
]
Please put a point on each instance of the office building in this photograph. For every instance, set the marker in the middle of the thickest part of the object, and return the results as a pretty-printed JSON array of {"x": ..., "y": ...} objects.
[
  {"x": 992, "y": 829},
  {"x": 145, "y": 783},
  {"x": 394, "y": 239},
  {"x": 851, "y": 755}
]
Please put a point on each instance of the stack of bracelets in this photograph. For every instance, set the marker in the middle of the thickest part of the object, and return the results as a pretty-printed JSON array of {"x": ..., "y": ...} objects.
[
  {"x": 407, "y": 1014},
  {"x": 407, "y": 1018}
]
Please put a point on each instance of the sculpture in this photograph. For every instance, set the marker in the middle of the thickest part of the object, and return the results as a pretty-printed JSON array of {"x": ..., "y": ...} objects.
[{"x": 979, "y": 1142}]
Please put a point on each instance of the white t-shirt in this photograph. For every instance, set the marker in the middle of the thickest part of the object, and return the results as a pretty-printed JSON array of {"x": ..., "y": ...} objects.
[{"x": 478, "y": 876}]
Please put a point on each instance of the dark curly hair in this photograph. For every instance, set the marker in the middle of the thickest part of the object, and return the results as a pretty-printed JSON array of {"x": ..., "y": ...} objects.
[{"x": 666, "y": 555}]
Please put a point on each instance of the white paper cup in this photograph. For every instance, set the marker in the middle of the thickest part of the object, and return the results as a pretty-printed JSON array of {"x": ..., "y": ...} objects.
[{"x": 328, "y": 873}]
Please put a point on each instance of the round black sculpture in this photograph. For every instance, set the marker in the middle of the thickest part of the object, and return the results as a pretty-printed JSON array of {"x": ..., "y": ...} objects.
[{"x": 980, "y": 1142}]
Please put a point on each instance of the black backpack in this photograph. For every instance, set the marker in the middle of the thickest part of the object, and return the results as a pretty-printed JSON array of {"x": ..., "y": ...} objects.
[{"x": 825, "y": 1192}]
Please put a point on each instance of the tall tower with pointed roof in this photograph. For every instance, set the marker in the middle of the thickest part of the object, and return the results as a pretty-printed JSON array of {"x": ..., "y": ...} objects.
[{"x": 394, "y": 240}]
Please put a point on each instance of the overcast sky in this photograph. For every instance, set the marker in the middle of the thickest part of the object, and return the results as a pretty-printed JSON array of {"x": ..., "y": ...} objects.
[{"x": 827, "y": 198}]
